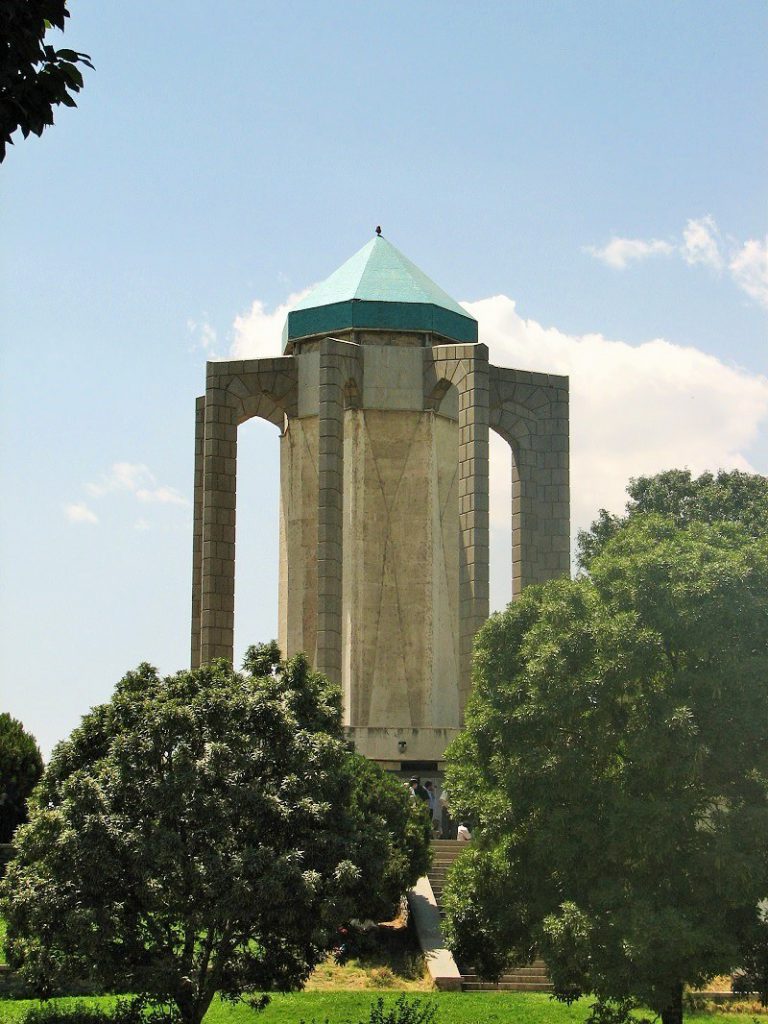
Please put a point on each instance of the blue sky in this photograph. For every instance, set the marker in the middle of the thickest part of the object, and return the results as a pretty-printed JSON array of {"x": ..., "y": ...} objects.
[{"x": 589, "y": 177}]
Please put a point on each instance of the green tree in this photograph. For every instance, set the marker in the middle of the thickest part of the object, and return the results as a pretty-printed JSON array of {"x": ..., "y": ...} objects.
[
  {"x": 734, "y": 497},
  {"x": 394, "y": 837},
  {"x": 752, "y": 973},
  {"x": 198, "y": 833},
  {"x": 34, "y": 77},
  {"x": 615, "y": 760},
  {"x": 21, "y": 765}
]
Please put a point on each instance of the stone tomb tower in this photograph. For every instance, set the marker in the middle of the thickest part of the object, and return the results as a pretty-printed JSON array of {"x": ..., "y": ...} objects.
[{"x": 383, "y": 400}]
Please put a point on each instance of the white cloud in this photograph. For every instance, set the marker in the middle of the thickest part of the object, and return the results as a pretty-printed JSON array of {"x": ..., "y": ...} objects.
[
  {"x": 634, "y": 409},
  {"x": 142, "y": 525},
  {"x": 123, "y": 476},
  {"x": 749, "y": 268},
  {"x": 258, "y": 334},
  {"x": 137, "y": 479},
  {"x": 620, "y": 252},
  {"x": 204, "y": 334},
  {"x": 78, "y": 512},
  {"x": 162, "y": 495},
  {"x": 701, "y": 243}
]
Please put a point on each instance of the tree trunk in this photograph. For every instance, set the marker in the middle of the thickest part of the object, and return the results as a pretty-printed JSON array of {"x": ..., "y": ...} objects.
[
  {"x": 193, "y": 1010},
  {"x": 674, "y": 1012}
]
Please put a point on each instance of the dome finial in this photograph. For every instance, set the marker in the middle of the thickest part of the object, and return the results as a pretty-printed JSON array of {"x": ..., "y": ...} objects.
[{"x": 378, "y": 229}]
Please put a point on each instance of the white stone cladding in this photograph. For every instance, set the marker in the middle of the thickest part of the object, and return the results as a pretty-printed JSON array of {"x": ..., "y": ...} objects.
[
  {"x": 400, "y": 615},
  {"x": 383, "y": 517}
]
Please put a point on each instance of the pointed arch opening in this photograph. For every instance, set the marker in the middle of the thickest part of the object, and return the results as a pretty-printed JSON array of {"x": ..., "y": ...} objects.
[
  {"x": 500, "y": 460},
  {"x": 257, "y": 532}
]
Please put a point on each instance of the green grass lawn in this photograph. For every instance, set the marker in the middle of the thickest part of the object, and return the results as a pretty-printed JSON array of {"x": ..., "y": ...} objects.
[{"x": 352, "y": 1007}]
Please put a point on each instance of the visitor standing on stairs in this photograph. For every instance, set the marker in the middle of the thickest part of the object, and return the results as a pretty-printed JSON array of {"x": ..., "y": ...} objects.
[
  {"x": 432, "y": 802},
  {"x": 444, "y": 816},
  {"x": 418, "y": 792}
]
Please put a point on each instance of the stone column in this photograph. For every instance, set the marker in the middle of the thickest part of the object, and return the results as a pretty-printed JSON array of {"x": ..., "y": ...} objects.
[
  {"x": 218, "y": 540},
  {"x": 473, "y": 390},
  {"x": 235, "y": 391},
  {"x": 197, "y": 532},
  {"x": 541, "y": 497},
  {"x": 329, "y": 512},
  {"x": 530, "y": 411}
]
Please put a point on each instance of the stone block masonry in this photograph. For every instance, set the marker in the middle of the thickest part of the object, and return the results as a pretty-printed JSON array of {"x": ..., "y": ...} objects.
[
  {"x": 384, "y": 507},
  {"x": 384, "y": 518}
]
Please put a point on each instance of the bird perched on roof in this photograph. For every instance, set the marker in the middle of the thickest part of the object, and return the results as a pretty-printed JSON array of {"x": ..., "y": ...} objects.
[{"x": 378, "y": 229}]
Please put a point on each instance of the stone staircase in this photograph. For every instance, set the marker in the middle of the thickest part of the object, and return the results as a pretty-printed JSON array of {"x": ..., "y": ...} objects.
[
  {"x": 533, "y": 978},
  {"x": 444, "y": 853}
]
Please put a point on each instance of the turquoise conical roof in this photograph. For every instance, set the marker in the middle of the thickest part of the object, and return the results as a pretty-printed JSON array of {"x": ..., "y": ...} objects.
[{"x": 380, "y": 288}]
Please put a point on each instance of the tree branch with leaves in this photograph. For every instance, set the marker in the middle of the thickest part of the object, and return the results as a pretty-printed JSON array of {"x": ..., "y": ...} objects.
[{"x": 34, "y": 76}]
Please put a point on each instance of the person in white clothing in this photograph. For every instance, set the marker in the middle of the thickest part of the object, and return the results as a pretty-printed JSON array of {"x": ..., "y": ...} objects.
[{"x": 463, "y": 834}]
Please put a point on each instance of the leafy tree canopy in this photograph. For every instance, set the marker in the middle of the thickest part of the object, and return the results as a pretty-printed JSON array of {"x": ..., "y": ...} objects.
[
  {"x": 734, "y": 497},
  {"x": 205, "y": 832},
  {"x": 393, "y": 841},
  {"x": 752, "y": 974},
  {"x": 34, "y": 77},
  {"x": 21, "y": 765},
  {"x": 615, "y": 763}
]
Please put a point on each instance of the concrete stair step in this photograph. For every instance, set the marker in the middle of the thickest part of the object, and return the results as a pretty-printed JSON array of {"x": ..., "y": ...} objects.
[
  {"x": 529, "y": 978},
  {"x": 504, "y": 986},
  {"x": 524, "y": 970},
  {"x": 526, "y": 978},
  {"x": 513, "y": 977},
  {"x": 447, "y": 854},
  {"x": 538, "y": 966}
]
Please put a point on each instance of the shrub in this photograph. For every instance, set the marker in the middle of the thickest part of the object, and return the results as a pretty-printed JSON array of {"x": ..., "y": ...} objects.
[
  {"x": 402, "y": 1011},
  {"x": 752, "y": 975},
  {"x": 382, "y": 977},
  {"x": 123, "y": 1012},
  {"x": 21, "y": 766}
]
